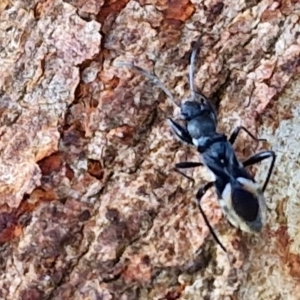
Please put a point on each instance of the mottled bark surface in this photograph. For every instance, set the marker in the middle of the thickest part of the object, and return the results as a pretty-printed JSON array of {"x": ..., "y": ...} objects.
[{"x": 89, "y": 205}]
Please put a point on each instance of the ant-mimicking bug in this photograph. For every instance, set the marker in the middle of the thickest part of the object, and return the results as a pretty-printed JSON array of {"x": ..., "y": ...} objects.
[{"x": 241, "y": 198}]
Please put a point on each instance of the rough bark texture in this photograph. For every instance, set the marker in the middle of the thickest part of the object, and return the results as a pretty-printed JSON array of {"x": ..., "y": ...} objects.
[{"x": 89, "y": 205}]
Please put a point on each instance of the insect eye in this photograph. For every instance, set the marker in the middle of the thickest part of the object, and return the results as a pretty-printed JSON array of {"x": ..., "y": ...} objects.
[
  {"x": 190, "y": 109},
  {"x": 185, "y": 116},
  {"x": 245, "y": 204}
]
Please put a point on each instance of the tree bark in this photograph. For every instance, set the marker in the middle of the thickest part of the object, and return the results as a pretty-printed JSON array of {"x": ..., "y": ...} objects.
[{"x": 90, "y": 207}]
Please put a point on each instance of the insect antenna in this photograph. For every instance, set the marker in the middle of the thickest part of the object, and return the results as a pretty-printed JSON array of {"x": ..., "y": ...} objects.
[
  {"x": 149, "y": 76},
  {"x": 192, "y": 67},
  {"x": 191, "y": 78}
]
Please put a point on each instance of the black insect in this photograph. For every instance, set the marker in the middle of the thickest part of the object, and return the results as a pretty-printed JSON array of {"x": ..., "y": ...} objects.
[{"x": 240, "y": 196}]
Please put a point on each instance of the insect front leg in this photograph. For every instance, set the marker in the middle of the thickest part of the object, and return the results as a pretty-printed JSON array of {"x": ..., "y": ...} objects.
[
  {"x": 201, "y": 192},
  {"x": 180, "y": 132},
  {"x": 236, "y": 132}
]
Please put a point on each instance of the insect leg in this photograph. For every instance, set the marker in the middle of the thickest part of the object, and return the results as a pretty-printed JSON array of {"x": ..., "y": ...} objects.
[
  {"x": 256, "y": 158},
  {"x": 181, "y": 132},
  {"x": 187, "y": 165},
  {"x": 238, "y": 130},
  {"x": 201, "y": 192}
]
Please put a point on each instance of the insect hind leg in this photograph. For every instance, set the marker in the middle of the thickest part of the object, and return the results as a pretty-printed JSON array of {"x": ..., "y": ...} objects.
[
  {"x": 256, "y": 158},
  {"x": 201, "y": 192}
]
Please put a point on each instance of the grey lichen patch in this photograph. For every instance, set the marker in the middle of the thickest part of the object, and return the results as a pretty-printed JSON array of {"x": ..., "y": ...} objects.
[
  {"x": 286, "y": 141},
  {"x": 279, "y": 251}
]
